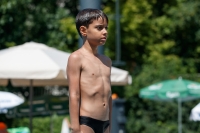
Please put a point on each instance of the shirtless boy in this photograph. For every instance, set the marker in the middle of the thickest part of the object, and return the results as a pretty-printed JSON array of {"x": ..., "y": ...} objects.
[{"x": 88, "y": 75}]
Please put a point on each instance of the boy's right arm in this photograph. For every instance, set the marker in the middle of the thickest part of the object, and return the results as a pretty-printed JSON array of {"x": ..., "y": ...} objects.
[{"x": 73, "y": 76}]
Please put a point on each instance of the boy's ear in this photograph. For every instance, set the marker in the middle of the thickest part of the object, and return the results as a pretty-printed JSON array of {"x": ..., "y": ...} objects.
[{"x": 83, "y": 31}]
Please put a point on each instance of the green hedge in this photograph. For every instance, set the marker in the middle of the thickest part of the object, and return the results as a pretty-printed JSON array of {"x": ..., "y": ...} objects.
[{"x": 48, "y": 124}]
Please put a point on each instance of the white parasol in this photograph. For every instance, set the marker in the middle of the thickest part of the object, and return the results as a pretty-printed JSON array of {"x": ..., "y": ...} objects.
[
  {"x": 9, "y": 100},
  {"x": 43, "y": 65}
]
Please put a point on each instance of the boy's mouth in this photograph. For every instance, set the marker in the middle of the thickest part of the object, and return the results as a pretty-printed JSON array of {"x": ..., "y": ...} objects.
[{"x": 104, "y": 38}]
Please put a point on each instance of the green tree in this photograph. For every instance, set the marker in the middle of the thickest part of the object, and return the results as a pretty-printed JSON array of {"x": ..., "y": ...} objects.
[
  {"x": 39, "y": 21},
  {"x": 163, "y": 46}
]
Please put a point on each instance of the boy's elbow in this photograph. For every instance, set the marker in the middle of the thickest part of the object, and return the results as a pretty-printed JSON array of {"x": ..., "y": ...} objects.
[{"x": 74, "y": 95}]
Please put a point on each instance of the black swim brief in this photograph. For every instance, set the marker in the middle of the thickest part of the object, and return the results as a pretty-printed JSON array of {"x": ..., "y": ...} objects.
[{"x": 97, "y": 125}]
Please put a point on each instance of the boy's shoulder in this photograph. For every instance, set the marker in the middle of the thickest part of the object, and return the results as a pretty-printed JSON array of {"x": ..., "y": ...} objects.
[
  {"x": 75, "y": 55},
  {"x": 106, "y": 58},
  {"x": 75, "y": 52}
]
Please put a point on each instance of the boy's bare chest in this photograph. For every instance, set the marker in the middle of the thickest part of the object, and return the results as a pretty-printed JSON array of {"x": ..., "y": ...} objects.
[{"x": 95, "y": 67}]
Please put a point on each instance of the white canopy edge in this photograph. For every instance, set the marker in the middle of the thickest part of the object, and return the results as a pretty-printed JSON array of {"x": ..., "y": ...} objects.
[{"x": 43, "y": 75}]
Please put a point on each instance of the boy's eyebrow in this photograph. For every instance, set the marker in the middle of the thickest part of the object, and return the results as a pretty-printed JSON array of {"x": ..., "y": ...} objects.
[{"x": 101, "y": 25}]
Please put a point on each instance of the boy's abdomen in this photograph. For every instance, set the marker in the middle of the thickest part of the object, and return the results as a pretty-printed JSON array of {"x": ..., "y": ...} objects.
[
  {"x": 95, "y": 99},
  {"x": 95, "y": 110}
]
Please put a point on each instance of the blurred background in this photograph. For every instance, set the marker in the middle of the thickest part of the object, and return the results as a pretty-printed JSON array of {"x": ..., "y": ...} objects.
[{"x": 153, "y": 40}]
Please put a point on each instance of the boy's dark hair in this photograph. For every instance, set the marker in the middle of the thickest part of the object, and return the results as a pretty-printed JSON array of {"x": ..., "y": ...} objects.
[{"x": 87, "y": 16}]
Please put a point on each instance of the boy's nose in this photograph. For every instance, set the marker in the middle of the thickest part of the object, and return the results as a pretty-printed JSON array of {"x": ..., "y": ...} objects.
[{"x": 105, "y": 31}]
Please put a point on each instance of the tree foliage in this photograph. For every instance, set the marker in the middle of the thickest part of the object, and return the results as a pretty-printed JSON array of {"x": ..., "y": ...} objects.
[
  {"x": 39, "y": 21},
  {"x": 162, "y": 45}
]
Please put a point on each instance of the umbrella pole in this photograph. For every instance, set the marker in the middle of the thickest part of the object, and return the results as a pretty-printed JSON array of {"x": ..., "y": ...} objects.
[
  {"x": 179, "y": 116},
  {"x": 51, "y": 128},
  {"x": 31, "y": 105}
]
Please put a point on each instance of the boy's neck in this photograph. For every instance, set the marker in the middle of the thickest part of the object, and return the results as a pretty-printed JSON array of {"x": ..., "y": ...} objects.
[{"x": 90, "y": 49}]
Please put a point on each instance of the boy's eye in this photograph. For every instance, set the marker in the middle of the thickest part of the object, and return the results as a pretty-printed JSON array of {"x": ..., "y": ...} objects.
[{"x": 101, "y": 27}]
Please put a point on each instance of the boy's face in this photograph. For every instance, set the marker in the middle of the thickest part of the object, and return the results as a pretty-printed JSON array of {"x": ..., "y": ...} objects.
[{"x": 96, "y": 33}]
